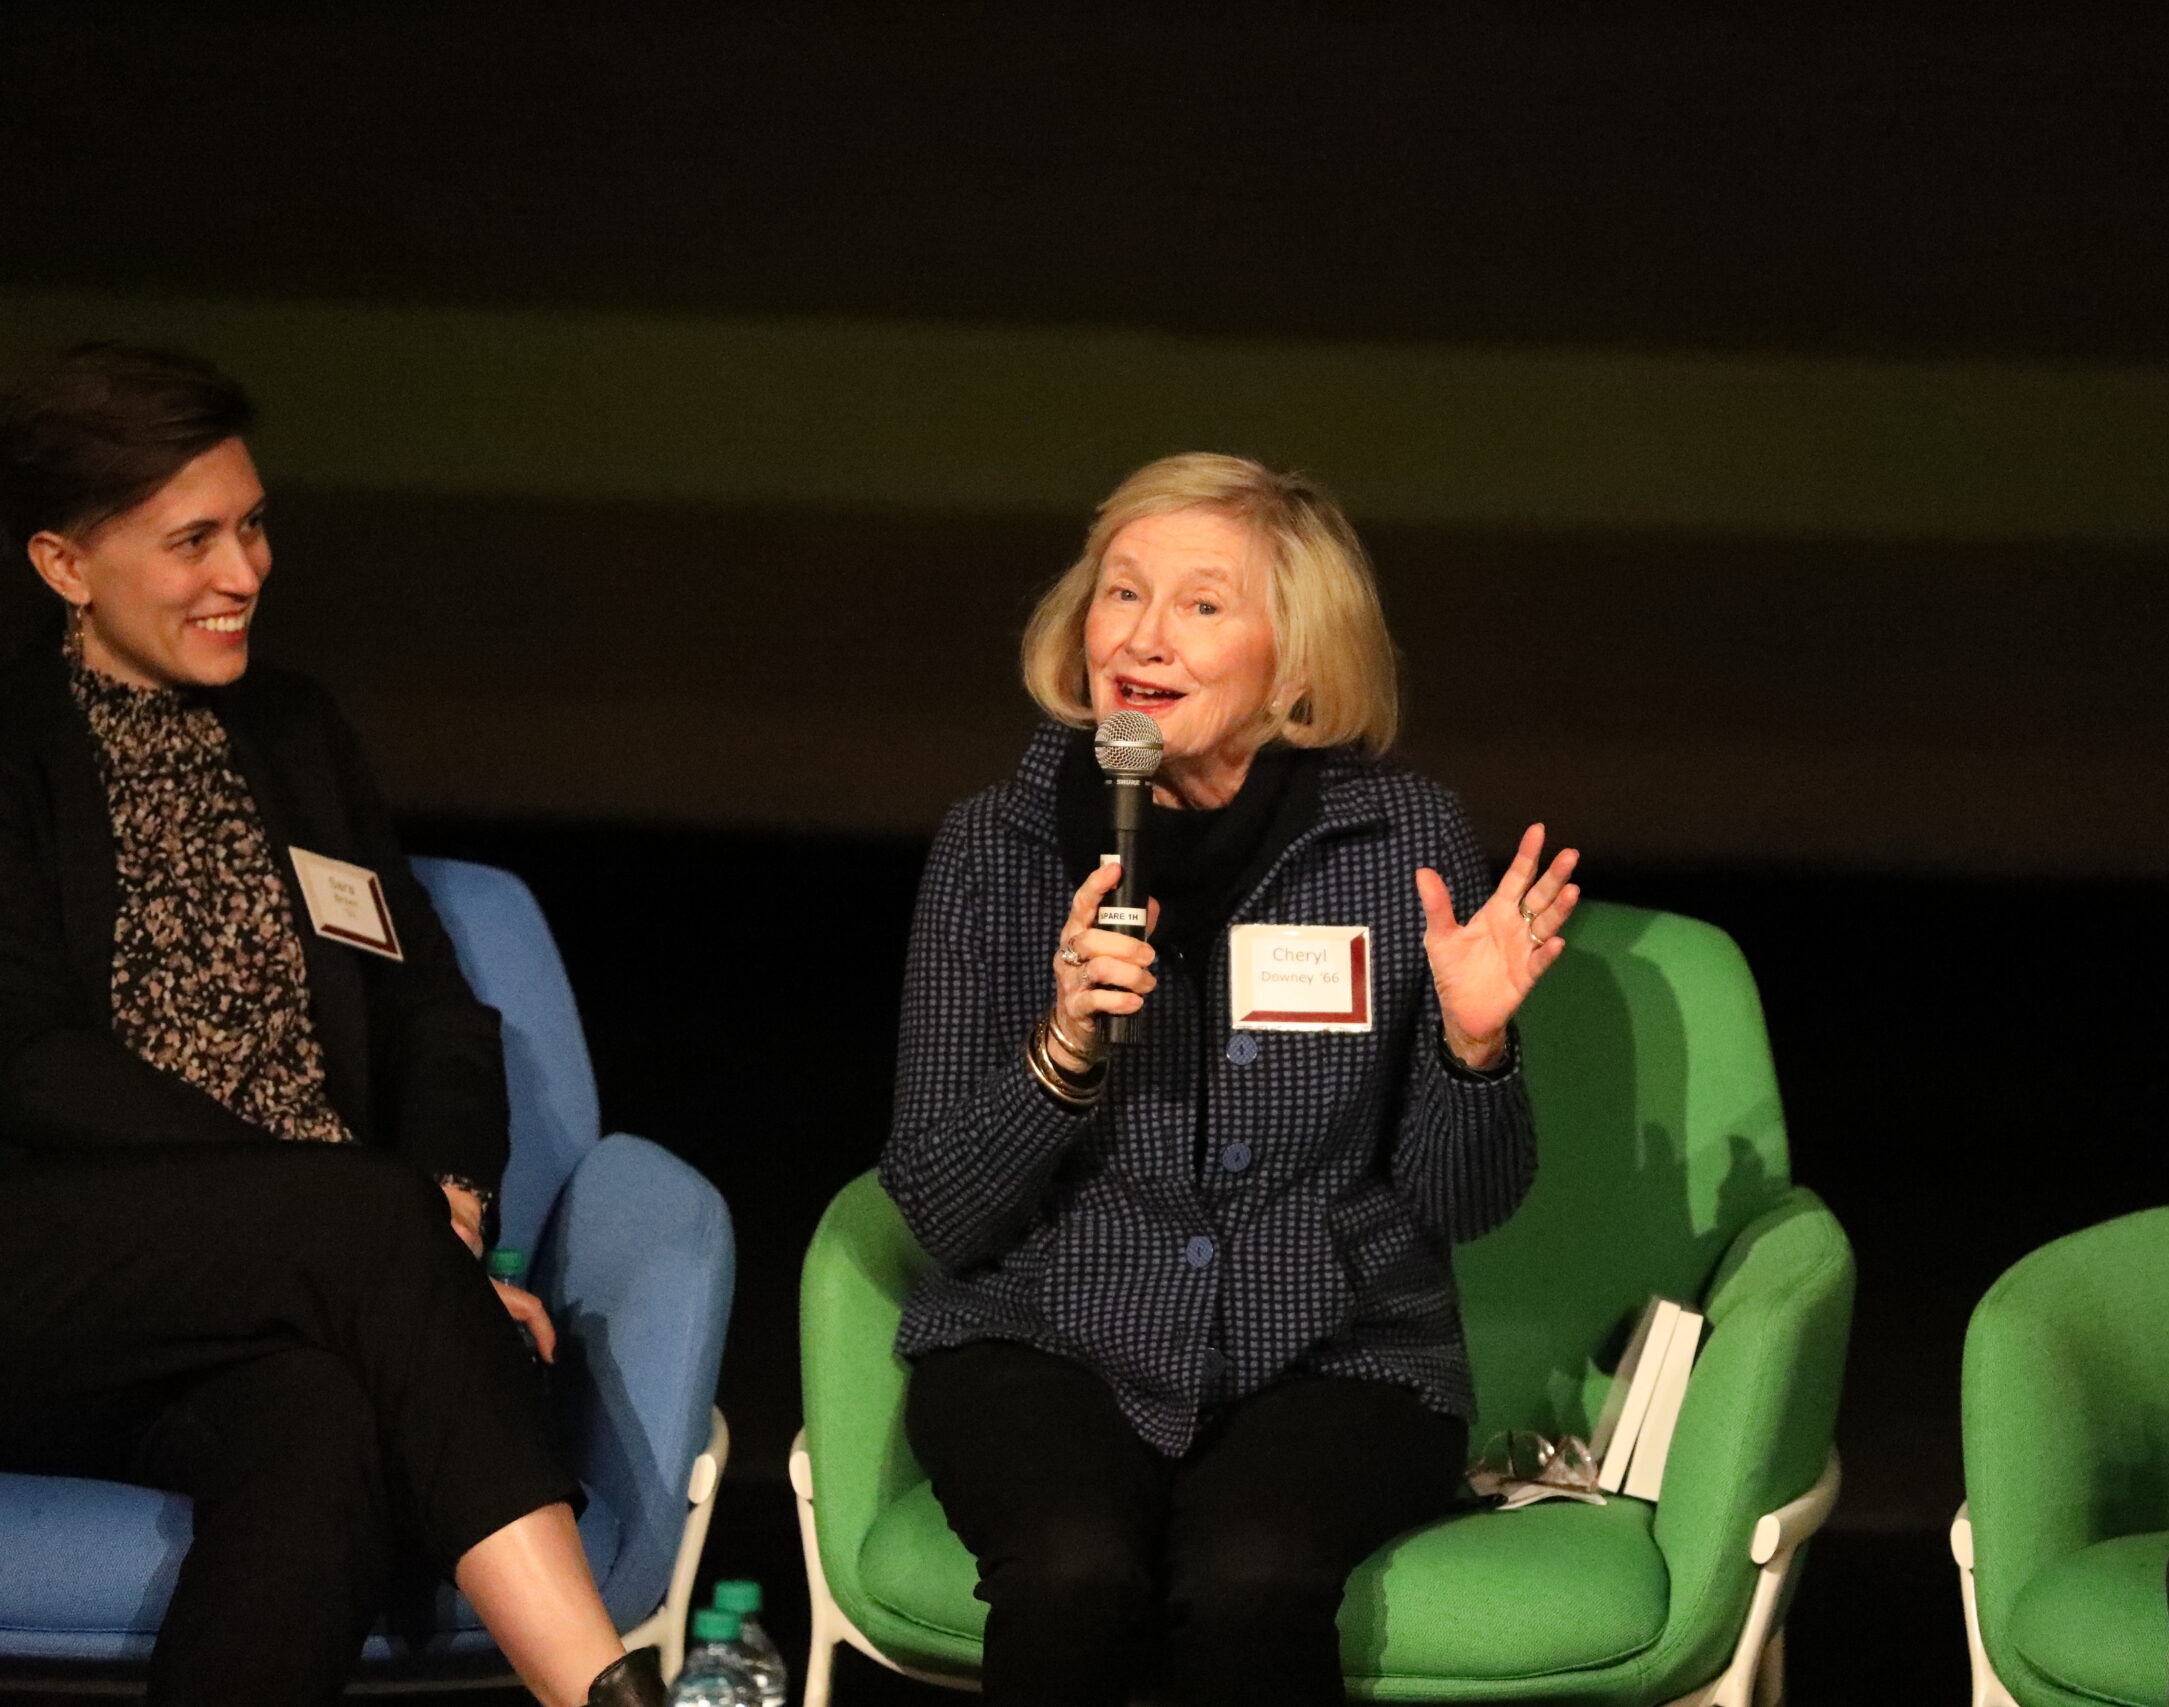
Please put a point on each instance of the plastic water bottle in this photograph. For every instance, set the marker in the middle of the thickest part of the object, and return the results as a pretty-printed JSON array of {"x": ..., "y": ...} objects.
[
  {"x": 510, "y": 1266},
  {"x": 757, "y": 1655},
  {"x": 712, "y": 1676}
]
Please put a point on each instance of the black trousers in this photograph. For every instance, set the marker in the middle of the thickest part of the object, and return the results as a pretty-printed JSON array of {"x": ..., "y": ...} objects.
[
  {"x": 292, "y": 1335},
  {"x": 1214, "y": 1578}
]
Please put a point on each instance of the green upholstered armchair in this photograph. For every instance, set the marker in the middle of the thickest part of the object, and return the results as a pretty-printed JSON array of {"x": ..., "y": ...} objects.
[
  {"x": 1663, "y": 1170},
  {"x": 2064, "y": 1536}
]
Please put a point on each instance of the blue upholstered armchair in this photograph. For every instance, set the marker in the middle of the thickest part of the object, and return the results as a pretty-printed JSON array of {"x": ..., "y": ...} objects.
[{"x": 634, "y": 1256}]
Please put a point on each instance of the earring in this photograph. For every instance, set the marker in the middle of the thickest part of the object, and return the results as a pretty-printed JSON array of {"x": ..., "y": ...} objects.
[{"x": 72, "y": 643}]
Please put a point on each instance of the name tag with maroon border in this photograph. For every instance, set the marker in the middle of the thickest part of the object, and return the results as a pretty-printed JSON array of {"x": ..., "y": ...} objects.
[
  {"x": 346, "y": 903},
  {"x": 1299, "y": 977}
]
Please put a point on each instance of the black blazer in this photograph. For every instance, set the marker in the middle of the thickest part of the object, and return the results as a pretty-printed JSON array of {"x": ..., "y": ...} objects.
[{"x": 412, "y": 1060}]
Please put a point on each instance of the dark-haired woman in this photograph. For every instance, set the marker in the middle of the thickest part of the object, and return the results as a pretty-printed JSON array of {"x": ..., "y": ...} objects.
[{"x": 244, "y": 1164}]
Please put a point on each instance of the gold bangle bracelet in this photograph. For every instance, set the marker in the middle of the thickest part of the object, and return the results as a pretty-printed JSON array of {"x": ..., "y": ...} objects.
[
  {"x": 1050, "y": 1081},
  {"x": 1053, "y": 1078},
  {"x": 1086, "y": 1084},
  {"x": 1041, "y": 1069},
  {"x": 1090, "y": 1057}
]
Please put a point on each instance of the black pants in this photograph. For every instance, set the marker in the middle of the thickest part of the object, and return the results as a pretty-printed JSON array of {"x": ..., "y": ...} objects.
[
  {"x": 292, "y": 1335},
  {"x": 1105, "y": 1565}
]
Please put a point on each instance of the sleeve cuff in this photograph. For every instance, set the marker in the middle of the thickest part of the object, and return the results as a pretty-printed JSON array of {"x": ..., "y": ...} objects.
[
  {"x": 488, "y": 1198},
  {"x": 483, "y": 1192},
  {"x": 1505, "y": 1072}
]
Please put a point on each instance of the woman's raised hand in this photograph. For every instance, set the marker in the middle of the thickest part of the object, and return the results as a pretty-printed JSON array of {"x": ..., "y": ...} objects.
[
  {"x": 1096, "y": 972},
  {"x": 1482, "y": 970}
]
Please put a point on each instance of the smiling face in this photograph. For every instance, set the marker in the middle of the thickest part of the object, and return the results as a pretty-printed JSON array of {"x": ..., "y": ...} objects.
[
  {"x": 1180, "y": 627},
  {"x": 167, "y": 589}
]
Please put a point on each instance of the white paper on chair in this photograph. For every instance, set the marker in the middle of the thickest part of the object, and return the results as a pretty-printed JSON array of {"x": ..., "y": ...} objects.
[
  {"x": 1645, "y": 1476},
  {"x": 1626, "y": 1406}
]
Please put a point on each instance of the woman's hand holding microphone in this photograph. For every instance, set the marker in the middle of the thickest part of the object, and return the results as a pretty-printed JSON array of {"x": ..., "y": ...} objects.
[{"x": 1095, "y": 972}]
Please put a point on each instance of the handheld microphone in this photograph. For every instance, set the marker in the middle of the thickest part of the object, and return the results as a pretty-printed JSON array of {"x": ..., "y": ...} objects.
[{"x": 1127, "y": 746}]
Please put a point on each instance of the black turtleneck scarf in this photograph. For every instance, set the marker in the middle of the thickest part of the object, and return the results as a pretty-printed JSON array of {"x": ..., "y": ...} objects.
[{"x": 1199, "y": 865}]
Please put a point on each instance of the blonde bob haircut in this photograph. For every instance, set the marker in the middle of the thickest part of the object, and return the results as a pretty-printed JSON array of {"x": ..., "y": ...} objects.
[{"x": 1332, "y": 657}]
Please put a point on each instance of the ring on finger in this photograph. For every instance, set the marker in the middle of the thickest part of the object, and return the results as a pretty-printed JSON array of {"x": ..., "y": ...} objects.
[
  {"x": 1522, "y": 907},
  {"x": 1068, "y": 954},
  {"x": 1536, "y": 941}
]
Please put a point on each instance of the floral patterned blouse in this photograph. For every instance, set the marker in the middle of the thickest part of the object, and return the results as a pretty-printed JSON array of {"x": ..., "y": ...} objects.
[
  {"x": 209, "y": 980},
  {"x": 208, "y": 977}
]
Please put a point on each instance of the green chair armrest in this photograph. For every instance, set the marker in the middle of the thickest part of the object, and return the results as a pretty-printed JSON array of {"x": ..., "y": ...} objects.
[
  {"x": 1755, "y": 1429},
  {"x": 2029, "y": 1427},
  {"x": 2064, "y": 1385},
  {"x": 858, "y": 1273}
]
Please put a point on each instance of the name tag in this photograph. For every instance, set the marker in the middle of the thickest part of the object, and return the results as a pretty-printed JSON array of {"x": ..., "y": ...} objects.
[
  {"x": 1300, "y": 977},
  {"x": 346, "y": 903}
]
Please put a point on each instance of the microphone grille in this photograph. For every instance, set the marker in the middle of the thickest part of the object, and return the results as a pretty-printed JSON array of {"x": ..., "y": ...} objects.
[{"x": 1128, "y": 744}]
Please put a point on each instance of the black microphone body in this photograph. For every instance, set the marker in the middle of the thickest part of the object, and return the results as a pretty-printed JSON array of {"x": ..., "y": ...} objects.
[
  {"x": 1127, "y": 909},
  {"x": 1128, "y": 748}
]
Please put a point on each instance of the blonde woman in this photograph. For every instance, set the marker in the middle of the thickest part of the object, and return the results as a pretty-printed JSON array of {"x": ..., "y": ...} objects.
[{"x": 1190, "y": 1349}]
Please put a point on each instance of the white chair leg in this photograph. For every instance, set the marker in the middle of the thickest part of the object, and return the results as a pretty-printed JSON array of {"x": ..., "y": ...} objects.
[
  {"x": 1758, "y": 1658},
  {"x": 1988, "y": 1690},
  {"x": 820, "y": 1667},
  {"x": 1770, "y": 1671},
  {"x": 827, "y": 1616},
  {"x": 665, "y": 1627}
]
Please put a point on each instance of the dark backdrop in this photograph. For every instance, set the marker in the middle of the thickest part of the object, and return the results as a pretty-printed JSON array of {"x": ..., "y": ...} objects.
[{"x": 1864, "y": 179}]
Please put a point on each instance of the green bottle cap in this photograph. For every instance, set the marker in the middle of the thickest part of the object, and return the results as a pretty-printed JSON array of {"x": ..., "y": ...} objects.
[
  {"x": 741, "y": 1597},
  {"x": 712, "y": 1626},
  {"x": 505, "y": 1263}
]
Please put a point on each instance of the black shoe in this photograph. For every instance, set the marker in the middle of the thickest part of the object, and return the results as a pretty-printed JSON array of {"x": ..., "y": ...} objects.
[{"x": 634, "y": 1681}]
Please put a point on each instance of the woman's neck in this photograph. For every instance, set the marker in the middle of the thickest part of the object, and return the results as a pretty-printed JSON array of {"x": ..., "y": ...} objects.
[
  {"x": 88, "y": 653},
  {"x": 1204, "y": 783}
]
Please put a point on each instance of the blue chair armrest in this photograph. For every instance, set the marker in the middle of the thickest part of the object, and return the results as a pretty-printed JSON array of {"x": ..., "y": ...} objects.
[{"x": 637, "y": 1267}]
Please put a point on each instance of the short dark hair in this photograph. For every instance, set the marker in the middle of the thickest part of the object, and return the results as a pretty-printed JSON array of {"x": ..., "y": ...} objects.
[{"x": 98, "y": 428}]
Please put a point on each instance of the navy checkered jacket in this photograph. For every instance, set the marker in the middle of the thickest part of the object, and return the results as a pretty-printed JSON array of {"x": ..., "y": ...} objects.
[{"x": 1239, "y": 1206}]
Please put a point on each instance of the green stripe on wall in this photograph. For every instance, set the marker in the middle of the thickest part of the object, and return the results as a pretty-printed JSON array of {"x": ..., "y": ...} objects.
[{"x": 964, "y": 419}]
